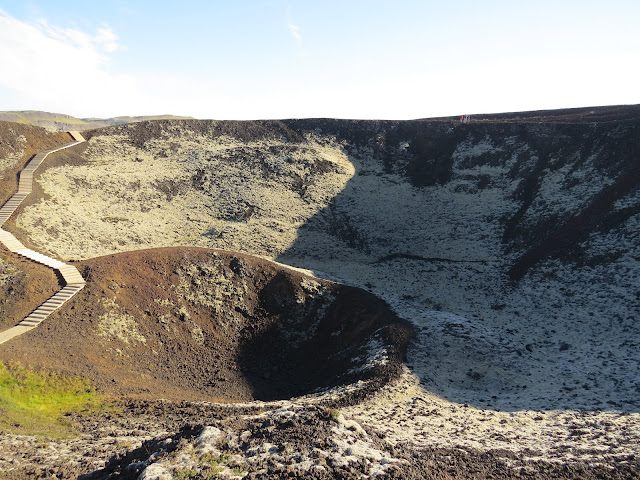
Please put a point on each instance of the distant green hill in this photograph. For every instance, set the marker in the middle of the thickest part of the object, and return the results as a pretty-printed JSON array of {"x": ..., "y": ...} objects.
[{"x": 59, "y": 121}]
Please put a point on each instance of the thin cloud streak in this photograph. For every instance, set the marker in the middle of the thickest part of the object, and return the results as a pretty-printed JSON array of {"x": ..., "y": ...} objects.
[
  {"x": 108, "y": 39},
  {"x": 294, "y": 29}
]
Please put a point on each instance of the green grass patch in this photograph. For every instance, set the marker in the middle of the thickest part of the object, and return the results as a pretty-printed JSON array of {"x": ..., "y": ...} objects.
[
  {"x": 35, "y": 403},
  {"x": 185, "y": 473},
  {"x": 215, "y": 460},
  {"x": 334, "y": 414}
]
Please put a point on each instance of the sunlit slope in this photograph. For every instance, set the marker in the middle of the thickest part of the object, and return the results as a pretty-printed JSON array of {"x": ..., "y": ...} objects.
[{"x": 131, "y": 189}]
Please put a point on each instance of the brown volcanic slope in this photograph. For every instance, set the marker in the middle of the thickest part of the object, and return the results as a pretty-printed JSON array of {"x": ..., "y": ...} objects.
[
  {"x": 210, "y": 325},
  {"x": 18, "y": 143},
  {"x": 23, "y": 286}
]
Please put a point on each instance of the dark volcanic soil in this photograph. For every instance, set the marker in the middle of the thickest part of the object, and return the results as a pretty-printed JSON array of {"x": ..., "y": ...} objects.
[
  {"x": 36, "y": 139},
  {"x": 293, "y": 435},
  {"x": 23, "y": 286},
  {"x": 198, "y": 324}
]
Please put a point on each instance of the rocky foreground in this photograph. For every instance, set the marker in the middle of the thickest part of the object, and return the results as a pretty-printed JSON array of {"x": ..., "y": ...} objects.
[
  {"x": 508, "y": 245},
  {"x": 300, "y": 439}
]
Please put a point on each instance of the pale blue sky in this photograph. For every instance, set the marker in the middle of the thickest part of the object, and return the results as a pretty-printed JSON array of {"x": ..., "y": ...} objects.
[{"x": 285, "y": 58}]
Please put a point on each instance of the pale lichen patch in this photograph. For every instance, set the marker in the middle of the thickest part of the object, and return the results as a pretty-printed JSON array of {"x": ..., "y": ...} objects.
[{"x": 115, "y": 324}]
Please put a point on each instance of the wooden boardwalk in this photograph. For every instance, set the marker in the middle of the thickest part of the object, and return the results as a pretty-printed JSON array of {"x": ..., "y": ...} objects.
[{"x": 70, "y": 274}]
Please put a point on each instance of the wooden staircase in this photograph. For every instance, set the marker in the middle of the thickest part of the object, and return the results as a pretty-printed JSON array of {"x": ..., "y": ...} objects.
[{"x": 70, "y": 274}]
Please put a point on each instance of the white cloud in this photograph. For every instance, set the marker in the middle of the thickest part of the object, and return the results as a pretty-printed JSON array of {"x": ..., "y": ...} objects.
[
  {"x": 46, "y": 67},
  {"x": 105, "y": 38}
]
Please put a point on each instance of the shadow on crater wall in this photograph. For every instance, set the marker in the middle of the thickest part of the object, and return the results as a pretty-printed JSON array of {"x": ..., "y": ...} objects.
[
  {"x": 324, "y": 342},
  {"x": 350, "y": 232}
]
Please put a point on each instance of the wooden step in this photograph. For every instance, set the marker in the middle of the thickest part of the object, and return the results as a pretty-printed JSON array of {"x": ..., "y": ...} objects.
[
  {"x": 47, "y": 306},
  {"x": 53, "y": 303},
  {"x": 73, "y": 279},
  {"x": 69, "y": 289},
  {"x": 40, "y": 258},
  {"x": 74, "y": 273},
  {"x": 11, "y": 242},
  {"x": 27, "y": 252},
  {"x": 37, "y": 314},
  {"x": 58, "y": 297},
  {"x": 66, "y": 290},
  {"x": 47, "y": 310},
  {"x": 44, "y": 310},
  {"x": 52, "y": 263},
  {"x": 56, "y": 303},
  {"x": 68, "y": 269},
  {"x": 13, "y": 332},
  {"x": 8, "y": 211},
  {"x": 67, "y": 295},
  {"x": 30, "y": 323},
  {"x": 77, "y": 136}
]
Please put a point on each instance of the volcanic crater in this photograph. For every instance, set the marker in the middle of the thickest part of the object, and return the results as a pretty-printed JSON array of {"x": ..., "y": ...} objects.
[
  {"x": 200, "y": 324},
  {"x": 509, "y": 243}
]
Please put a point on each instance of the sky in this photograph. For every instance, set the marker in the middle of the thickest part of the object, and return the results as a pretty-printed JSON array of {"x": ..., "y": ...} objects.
[{"x": 361, "y": 59}]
